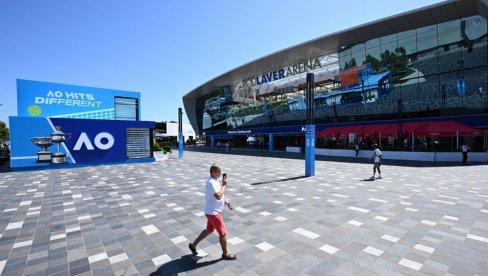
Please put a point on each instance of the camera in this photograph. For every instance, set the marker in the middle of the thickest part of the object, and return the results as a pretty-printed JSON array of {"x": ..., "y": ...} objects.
[{"x": 224, "y": 175}]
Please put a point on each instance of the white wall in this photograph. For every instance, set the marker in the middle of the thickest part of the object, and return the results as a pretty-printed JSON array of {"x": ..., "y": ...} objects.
[
  {"x": 402, "y": 155},
  {"x": 172, "y": 130}
]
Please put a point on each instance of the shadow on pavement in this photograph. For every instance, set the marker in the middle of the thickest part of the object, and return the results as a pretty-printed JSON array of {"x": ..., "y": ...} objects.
[
  {"x": 183, "y": 264},
  {"x": 279, "y": 180}
]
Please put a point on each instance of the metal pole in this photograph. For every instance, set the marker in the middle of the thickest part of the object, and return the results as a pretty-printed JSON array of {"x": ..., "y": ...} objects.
[
  {"x": 457, "y": 140},
  {"x": 399, "y": 126},
  {"x": 310, "y": 128},
  {"x": 413, "y": 142},
  {"x": 270, "y": 142},
  {"x": 180, "y": 133}
]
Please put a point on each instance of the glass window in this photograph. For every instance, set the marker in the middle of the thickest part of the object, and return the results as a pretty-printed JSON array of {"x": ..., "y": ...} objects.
[
  {"x": 345, "y": 52},
  {"x": 357, "y": 48},
  {"x": 450, "y": 58},
  {"x": 388, "y": 54},
  {"x": 426, "y": 29},
  {"x": 409, "y": 44},
  {"x": 344, "y": 57},
  {"x": 372, "y": 43},
  {"x": 427, "y": 38},
  {"x": 373, "y": 57},
  {"x": 449, "y": 32},
  {"x": 391, "y": 46},
  {"x": 126, "y": 109},
  {"x": 388, "y": 39},
  {"x": 406, "y": 34},
  {"x": 473, "y": 33},
  {"x": 359, "y": 58}
]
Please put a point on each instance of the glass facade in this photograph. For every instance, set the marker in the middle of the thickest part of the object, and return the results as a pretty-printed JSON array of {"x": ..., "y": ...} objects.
[
  {"x": 433, "y": 71},
  {"x": 437, "y": 70}
]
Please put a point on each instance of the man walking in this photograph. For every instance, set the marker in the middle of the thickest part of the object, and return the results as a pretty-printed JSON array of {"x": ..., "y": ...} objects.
[
  {"x": 377, "y": 157},
  {"x": 214, "y": 204}
]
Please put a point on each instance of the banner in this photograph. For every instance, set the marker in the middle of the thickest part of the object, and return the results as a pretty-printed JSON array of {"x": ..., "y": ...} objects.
[
  {"x": 44, "y": 99},
  {"x": 51, "y": 141}
]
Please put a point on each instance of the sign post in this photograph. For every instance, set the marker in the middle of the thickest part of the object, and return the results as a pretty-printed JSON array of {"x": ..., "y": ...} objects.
[{"x": 310, "y": 128}]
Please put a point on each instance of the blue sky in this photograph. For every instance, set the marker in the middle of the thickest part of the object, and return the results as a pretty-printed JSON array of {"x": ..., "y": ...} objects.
[{"x": 161, "y": 48}]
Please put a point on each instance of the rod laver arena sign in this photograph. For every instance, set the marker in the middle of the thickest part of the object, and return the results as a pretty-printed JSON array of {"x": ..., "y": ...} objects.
[{"x": 282, "y": 73}]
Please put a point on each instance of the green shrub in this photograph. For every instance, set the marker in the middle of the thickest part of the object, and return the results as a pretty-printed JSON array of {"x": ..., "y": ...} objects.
[
  {"x": 156, "y": 147},
  {"x": 166, "y": 149}
]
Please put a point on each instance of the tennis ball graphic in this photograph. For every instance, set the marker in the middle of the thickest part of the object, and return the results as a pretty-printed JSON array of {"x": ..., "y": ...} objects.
[{"x": 34, "y": 110}]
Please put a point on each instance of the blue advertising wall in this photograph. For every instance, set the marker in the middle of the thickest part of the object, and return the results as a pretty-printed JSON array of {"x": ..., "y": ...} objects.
[
  {"x": 87, "y": 141},
  {"x": 45, "y": 99}
]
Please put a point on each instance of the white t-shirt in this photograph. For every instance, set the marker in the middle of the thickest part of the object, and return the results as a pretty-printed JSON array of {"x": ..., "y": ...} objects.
[
  {"x": 377, "y": 154},
  {"x": 464, "y": 148},
  {"x": 212, "y": 205}
]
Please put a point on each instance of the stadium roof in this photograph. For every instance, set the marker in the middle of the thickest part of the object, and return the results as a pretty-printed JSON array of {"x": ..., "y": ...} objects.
[{"x": 329, "y": 44}]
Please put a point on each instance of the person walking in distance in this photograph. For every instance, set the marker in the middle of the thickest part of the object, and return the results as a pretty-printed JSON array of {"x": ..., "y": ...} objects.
[
  {"x": 377, "y": 157},
  {"x": 356, "y": 148},
  {"x": 214, "y": 205},
  {"x": 464, "y": 149}
]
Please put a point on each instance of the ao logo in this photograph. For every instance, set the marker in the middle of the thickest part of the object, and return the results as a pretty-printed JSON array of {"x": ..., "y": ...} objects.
[{"x": 84, "y": 140}]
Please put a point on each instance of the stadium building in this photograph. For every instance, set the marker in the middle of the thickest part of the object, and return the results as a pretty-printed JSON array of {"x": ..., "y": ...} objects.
[{"x": 415, "y": 83}]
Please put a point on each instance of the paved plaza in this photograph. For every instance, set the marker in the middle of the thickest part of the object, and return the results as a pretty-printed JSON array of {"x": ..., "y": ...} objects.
[{"x": 137, "y": 219}]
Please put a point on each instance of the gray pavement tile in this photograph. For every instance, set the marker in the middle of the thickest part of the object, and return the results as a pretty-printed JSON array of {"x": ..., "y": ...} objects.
[
  {"x": 77, "y": 263},
  {"x": 432, "y": 224},
  {"x": 79, "y": 270}
]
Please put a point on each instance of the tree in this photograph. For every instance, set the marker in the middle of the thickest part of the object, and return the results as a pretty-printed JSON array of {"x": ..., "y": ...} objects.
[
  {"x": 160, "y": 127},
  {"x": 4, "y": 132}
]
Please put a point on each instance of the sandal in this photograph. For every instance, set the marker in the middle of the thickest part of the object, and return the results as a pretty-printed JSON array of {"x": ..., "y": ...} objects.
[
  {"x": 193, "y": 249},
  {"x": 229, "y": 257}
]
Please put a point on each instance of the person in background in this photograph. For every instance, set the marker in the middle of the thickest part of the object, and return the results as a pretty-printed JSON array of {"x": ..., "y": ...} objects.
[
  {"x": 356, "y": 148},
  {"x": 377, "y": 157},
  {"x": 464, "y": 150},
  {"x": 214, "y": 205}
]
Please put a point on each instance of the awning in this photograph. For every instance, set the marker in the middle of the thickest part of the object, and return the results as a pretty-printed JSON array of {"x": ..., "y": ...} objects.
[
  {"x": 407, "y": 129},
  {"x": 431, "y": 128},
  {"x": 374, "y": 130},
  {"x": 339, "y": 131},
  {"x": 447, "y": 128}
]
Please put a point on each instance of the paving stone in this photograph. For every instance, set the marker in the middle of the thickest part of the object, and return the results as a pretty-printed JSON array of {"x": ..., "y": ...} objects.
[{"x": 416, "y": 220}]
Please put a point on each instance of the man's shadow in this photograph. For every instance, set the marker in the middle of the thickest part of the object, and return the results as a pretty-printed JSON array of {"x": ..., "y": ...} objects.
[
  {"x": 279, "y": 180},
  {"x": 183, "y": 264}
]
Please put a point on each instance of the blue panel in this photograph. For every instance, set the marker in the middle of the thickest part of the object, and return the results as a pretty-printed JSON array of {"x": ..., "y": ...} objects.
[
  {"x": 310, "y": 150},
  {"x": 44, "y": 99},
  {"x": 88, "y": 151},
  {"x": 110, "y": 146},
  {"x": 180, "y": 145}
]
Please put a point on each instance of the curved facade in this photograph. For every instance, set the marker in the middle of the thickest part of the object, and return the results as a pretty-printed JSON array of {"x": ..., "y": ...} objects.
[{"x": 425, "y": 65}]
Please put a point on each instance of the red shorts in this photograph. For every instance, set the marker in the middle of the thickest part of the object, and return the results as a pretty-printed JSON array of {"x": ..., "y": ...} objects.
[{"x": 216, "y": 222}]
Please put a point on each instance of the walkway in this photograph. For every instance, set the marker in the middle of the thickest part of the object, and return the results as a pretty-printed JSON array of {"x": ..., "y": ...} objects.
[{"x": 136, "y": 219}]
